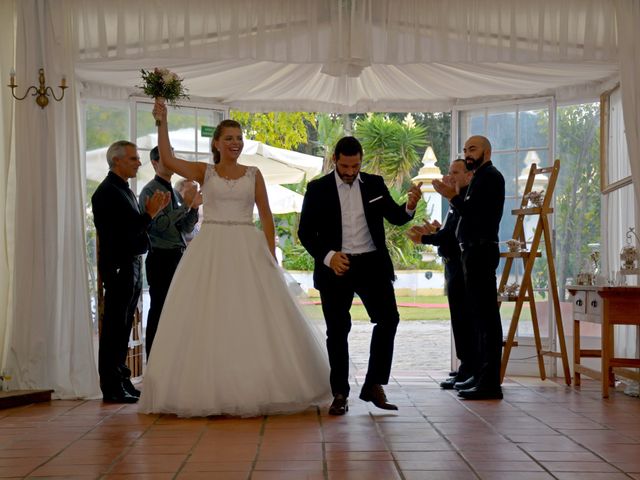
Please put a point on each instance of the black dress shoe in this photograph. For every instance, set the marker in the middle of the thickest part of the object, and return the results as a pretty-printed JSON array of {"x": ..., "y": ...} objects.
[
  {"x": 480, "y": 392},
  {"x": 453, "y": 373},
  {"x": 466, "y": 385},
  {"x": 375, "y": 393},
  {"x": 118, "y": 397},
  {"x": 448, "y": 383},
  {"x": 129, "y": 388},
  {"x": 340, "y": 405}
]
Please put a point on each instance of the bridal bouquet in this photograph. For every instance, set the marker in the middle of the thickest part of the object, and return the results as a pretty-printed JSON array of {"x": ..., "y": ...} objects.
[{"x": 163, "y": 83}]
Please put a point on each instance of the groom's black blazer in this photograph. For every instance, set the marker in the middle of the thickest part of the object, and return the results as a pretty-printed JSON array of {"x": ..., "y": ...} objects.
[{"x": 320, "y": 227}]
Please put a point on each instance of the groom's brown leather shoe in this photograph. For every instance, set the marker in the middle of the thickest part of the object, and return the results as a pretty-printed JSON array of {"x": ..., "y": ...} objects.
[
  {"x": 375, "y": 394},
  {"x": 340, "y": 405}
]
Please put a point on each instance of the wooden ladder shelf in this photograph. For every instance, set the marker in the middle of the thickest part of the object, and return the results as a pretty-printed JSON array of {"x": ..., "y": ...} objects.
[{"x": 528, "y": 256}]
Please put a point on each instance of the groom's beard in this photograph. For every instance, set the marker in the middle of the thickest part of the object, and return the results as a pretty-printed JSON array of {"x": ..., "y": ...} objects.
[
  {"x": 473, "y": 163},
  {"x": 348, "y": 179}
]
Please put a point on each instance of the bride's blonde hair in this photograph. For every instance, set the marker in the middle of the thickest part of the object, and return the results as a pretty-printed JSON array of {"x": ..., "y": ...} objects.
[{"x": 218, "y": 132}]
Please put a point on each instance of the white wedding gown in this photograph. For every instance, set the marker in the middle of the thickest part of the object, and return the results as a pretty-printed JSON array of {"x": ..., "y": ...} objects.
[{"x": 232, "y": 339}]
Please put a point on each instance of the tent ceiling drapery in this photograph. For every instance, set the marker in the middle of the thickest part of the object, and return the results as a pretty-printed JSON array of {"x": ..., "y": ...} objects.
[
  {"x": 355, "y": 56},
  {"x": 268, "y": 86}
]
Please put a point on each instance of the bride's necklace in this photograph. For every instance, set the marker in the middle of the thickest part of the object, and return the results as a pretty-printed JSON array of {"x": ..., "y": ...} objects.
[
  {"x": 227, "y": 176},
  {"x": 230, "y": 182}
]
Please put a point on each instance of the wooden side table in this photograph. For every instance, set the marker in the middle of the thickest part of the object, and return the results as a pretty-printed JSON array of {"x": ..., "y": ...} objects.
[{"x": 607, "y": 306}]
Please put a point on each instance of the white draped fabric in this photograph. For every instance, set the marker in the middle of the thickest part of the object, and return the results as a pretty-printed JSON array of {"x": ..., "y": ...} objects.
[
  {"x": 7, "y": 181},
  {"x": 348, "y": 35},
  {"x": 621, "y": 208},
  {"x": 51, "y": 342},
  {"x": 618, "y": 214},
  {"x": 351, "y": 56},
  {"x": 628, "y": 13}
]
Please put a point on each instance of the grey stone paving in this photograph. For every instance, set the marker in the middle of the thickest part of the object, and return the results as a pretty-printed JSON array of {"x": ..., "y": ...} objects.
[{"x": 420, "y": 346}]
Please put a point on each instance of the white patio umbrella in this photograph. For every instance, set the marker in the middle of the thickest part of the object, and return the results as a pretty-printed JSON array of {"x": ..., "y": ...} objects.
[
  {"x": 277, "y": 165},
  {"x": 282, "y": 200},
  {"x": 280, "y": 166}
]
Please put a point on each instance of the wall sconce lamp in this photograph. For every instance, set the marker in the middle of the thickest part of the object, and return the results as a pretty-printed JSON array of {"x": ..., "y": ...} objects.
[{"x": 41, "y": 93}]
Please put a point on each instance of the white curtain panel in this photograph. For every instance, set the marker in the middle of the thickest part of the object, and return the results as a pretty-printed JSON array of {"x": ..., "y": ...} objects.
[
  {"x": 618, "y": 214},
  {"x": 350, "y": 56},
  {"x": 7, "y": 179},
  {"x": 628, "y": 16},
  {"x": 51, "y": 343}
]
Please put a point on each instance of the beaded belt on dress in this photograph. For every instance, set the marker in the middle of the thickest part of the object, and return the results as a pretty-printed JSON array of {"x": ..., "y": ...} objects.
[{"x": 228, "y": 222}]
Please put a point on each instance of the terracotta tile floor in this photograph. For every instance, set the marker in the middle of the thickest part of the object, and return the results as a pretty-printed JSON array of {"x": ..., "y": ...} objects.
[{"x": 541, "y": 430}]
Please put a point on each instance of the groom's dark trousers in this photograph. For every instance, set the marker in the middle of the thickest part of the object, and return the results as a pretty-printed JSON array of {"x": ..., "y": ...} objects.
[
  {"x": 370, "y": 274},
  {"x": 375, "y": 289}
]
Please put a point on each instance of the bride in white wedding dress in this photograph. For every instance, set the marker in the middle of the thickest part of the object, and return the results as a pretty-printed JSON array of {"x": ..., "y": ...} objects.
[{"x": 232, "y": 339}]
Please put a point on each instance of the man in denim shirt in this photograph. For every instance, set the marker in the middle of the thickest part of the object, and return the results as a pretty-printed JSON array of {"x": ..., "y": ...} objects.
[{"x": 166, "y": 233}]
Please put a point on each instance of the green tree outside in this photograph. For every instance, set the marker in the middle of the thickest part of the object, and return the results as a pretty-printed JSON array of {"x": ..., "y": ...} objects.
[{"x": 278, "y": 129}]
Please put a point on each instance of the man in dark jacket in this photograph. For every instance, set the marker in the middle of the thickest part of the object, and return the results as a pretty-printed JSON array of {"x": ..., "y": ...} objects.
[
  {"x": 444, "y": 237},
  {"x": 341, "y": 226},
  {"x": 122, "y": 239},
  {"x": 480, "y": 213}
]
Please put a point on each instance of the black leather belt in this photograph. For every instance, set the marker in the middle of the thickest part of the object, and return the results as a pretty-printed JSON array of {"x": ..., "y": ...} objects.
[
  {"x": 476, "y": 243},
  {"x": 168, "y": 251},
  {"x": 351, "y": 255}
]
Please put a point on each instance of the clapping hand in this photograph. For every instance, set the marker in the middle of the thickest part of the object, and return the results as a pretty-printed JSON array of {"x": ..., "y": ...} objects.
[
  {"x": 444, "y": 188},
  {"x": 156, "y": 202},
  {"x": 191, "y": 195},
  {"x": 416, "y": 232},
  {"x": 413, "y": 197}
]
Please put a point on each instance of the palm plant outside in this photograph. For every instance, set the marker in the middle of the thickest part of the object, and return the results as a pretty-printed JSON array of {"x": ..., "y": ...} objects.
[
  {"x": 329, "y": 130},
  {"x": 391, "y": 148}
]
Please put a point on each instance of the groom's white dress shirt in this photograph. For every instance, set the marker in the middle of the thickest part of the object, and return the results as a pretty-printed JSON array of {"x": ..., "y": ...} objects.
[{"x": 356, "y": 237}]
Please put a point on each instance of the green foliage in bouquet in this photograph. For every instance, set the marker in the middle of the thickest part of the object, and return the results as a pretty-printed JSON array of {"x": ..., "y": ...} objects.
[{"x": 161, "y": 82}]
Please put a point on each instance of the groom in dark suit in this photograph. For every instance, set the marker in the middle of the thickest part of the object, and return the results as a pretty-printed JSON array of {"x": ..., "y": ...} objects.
[{"x": 342, "y": 227}]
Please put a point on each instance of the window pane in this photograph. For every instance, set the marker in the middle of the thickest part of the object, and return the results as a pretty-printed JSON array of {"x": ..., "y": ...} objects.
[
  {"x": 508, "y": 219},
  {"x": 204, "y": 158},
  {"x": 506, "y": 163},
  {"x": 533, "y": 128},
  {"x": 512, "y": 155},
  {"x": 472, "y": 123},
  {"x": 577, "y": 195},
  {"x": 105, "y": 123},
  {"x": 618, "y": 166},
  {"x": 501, "y": 129},
  {"x": 209, "y": 118},
  {"x": 146, "y": 130},
  {"x": 145, "y": 172},
  {"x": 540, "y": 158}
]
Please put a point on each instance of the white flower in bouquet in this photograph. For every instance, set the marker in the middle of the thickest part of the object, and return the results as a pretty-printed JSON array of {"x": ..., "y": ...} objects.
[{"x": 163, "y": 83}]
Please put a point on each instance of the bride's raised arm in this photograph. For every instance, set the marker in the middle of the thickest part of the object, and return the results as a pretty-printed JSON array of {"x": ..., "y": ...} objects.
[{"x": 189, "y": 170}]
